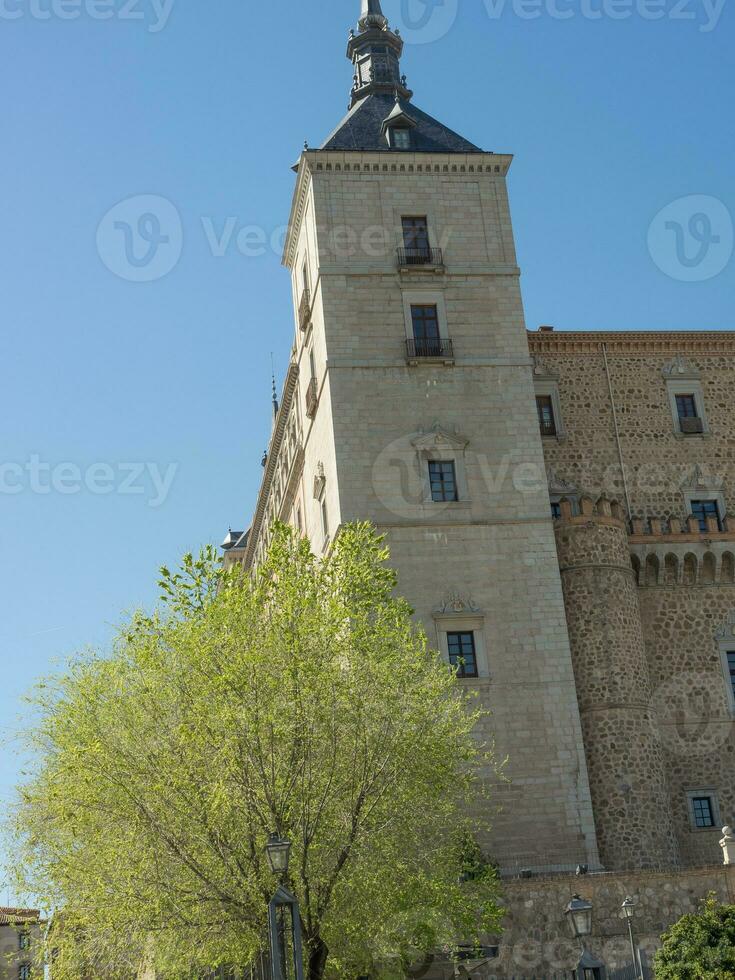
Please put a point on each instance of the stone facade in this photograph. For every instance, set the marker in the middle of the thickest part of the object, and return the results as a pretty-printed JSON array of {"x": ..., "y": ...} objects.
[
  {"x": 21, "y": 942},
  {"x": 600, "y": 625}
]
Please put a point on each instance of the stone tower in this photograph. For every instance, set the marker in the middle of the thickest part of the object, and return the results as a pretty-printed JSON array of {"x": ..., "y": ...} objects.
[
  {"x": 409, "y": 402},
  {"x": 627, "y": 766}
]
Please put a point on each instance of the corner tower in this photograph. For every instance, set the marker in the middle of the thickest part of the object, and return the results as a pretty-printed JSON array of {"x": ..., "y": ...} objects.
[{"x": 409, "y": 402}]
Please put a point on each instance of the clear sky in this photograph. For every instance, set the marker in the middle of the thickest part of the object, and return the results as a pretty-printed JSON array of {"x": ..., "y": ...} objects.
[{"x": 615, "y": 110}]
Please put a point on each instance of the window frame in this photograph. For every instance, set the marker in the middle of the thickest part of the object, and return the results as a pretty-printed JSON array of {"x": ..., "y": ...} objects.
[
  {"x": 549, "y": 388},
  {"x": 707, "y": 499},
  {"x": 544, "y": 424},
  {"x": 410, "y": 244},
  {"x": 704, "y": 794},
  {"x": 689, "y": 385},
  {"x": 462, "y": 674},
  {"x": 405, "y": 131},
  {"x": 432, "y": 464},
  {"x": 466, "y": 621},
  {"x": 417, "y": 297}
]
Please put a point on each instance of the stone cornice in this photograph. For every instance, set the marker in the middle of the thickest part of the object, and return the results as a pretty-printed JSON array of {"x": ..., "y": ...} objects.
[
  {"x": 270, "y": 467},
  {"x": 633, "y": 342},
  {"x": 479, "y": 163}
]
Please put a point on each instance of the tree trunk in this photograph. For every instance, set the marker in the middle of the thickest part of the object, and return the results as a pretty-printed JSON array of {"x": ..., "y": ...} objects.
[{"x": 318, "y": 953}]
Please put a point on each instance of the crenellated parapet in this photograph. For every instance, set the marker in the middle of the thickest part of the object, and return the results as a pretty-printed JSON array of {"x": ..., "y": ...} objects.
[{"x": 661, "y": 551}]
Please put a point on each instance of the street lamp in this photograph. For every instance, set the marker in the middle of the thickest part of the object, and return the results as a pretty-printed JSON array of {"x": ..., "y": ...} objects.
[
  {"x": 278, "y": 852},
  {"x": 284, "y": 920},
  {"x": 628, "y": 911},
  {"x": 579, "y": 916}
]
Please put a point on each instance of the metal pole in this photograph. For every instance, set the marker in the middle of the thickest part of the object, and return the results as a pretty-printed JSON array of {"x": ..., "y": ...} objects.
[{"x": 633, "y": 951}]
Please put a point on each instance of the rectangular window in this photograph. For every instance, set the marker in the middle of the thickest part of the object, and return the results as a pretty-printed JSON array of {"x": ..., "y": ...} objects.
[
  {"x": 425, "y": 320},
  {"x": 462, "y": 654},
  {"x": 402, "y": 139},
  {"x": 443, "y": 478},
  {"x": 545, "y": 408},
  {"x": 686, "y": 406},
  {"x": 704, "y": 509},
  {"x": 325, "y": 520},
  {"x": 416, "y": 238},
  {"x": 24, "y": 971},
  {"x": 703, "y": 812},
  {"x": 731, "y": 667},
  {"x": 556, "y": 511},
  {"x": 24, "y": 940}
]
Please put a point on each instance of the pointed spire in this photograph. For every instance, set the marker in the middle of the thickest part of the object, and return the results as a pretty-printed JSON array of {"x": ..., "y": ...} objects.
[{"x": 375, "y": 51}]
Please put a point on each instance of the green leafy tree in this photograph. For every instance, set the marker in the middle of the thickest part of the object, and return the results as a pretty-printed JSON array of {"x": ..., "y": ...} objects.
[
  {"x": 301, "y": 700},
  {"x": 701, "y": 946}
]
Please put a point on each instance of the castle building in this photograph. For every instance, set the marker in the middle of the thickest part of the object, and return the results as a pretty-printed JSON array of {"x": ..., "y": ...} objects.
[{"x": 555, "y": 503}]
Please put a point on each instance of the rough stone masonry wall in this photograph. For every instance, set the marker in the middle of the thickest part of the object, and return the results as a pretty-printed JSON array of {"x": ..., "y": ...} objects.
[
  {"x": 626, "y": 766},
  {"x": 536, "y": 940},
  {"x": 657, "y": 461},
  {"x": 690, "y": 698}
]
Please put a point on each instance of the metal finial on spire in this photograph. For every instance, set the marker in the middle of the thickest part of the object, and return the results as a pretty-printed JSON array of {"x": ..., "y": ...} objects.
[{"x": 371, "y": 15}]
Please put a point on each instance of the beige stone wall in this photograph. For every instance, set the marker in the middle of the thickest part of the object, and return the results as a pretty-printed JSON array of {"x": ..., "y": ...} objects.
[
  {"x": 11, "y": 956},
  {"x": 494, "y": 549}
]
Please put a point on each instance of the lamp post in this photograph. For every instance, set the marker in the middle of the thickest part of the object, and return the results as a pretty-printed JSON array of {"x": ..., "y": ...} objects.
[
  {"x": 284, "y": 920},
  {"x": 579, "y": 916},
  {"x": 628, "y": 910}
]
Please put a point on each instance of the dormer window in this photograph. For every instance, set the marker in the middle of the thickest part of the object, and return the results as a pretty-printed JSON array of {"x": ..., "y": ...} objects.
[{"x": 401, "y": 138}]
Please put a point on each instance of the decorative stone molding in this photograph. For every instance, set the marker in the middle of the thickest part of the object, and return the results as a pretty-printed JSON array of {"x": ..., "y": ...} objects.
[
  {"x": 639, "y": 342},
  {"x": 680, "y": 369},
  {"x": 701, "y": 479},
  {"x": 320, "y": 481},
  {"x": 458, "y": 604},
  {"x": 437, "y": 439},
  {"x": 559, "y": 487},
  {"x": 727, "y": 630},
  {"x": 543, "y": 370}
]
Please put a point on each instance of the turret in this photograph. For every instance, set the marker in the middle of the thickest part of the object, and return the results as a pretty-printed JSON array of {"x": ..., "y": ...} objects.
[{"x": 627, "y": 772}]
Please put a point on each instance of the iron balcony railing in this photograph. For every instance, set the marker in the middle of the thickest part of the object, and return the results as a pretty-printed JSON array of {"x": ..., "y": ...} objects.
[
  {"x": 420, "y": 256},
  {"x": 691, "y": 426},
  {"x": 305, "y": 308},
  {"x": 434, "y": 347},
  {"x": 548, "y": 427},
  {"x": 312, "y": 398}
]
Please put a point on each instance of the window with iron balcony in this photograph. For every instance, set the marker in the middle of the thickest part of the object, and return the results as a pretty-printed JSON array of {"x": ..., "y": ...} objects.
[
  {"x": 427, "y": 340},
  {"x": 547, "y": 421},
  {"x": 417, "y": 250}
]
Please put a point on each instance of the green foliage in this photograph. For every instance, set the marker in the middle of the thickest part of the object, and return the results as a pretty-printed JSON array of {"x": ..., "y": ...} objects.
[
  {"x": 701, "y": 946},
  {"x": 300, "y": 700}
]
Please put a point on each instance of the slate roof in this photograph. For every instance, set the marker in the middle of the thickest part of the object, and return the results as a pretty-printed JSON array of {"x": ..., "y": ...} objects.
[{"x": 361, "y": 129}]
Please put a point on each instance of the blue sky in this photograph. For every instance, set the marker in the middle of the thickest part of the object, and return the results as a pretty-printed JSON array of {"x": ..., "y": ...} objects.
[{"x": 612, "y": 116}]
